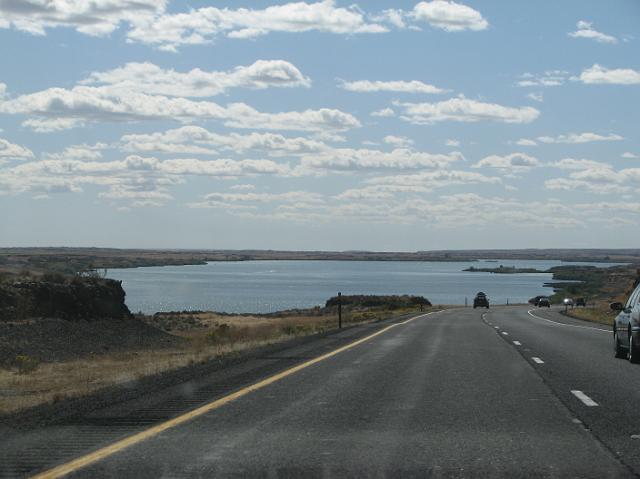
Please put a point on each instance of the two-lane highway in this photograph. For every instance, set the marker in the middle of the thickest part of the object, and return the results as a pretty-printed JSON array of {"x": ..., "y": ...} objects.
[
  {"x": 444, "y": 395},
  {"x": 576, "y": 360}
]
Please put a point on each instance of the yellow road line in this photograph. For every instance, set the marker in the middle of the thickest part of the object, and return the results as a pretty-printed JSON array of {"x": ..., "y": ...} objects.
[{"x": 83, "y": 461}]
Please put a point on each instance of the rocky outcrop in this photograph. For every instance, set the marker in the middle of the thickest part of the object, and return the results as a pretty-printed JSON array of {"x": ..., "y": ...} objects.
[
  {"x": 390, "y": 302},
  {"x": 72, "y": 299}
]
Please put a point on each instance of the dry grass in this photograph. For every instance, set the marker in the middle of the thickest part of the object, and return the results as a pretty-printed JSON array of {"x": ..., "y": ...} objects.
[
  {"x": 52, "y": 382},
  {"x": 598, "y": 313},
  {"x": 211, "y": 336}
]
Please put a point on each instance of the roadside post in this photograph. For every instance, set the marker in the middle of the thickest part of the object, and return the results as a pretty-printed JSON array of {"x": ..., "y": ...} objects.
[{"x": 339, "y": 310}]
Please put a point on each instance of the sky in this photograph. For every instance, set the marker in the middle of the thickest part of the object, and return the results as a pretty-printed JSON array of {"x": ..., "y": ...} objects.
[{"x": 395, "y": 126}]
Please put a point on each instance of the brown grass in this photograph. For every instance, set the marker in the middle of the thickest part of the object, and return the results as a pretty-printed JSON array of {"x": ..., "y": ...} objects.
[
  {"x": 211, "y": 336},
  {"x": 598, "y": 313}
]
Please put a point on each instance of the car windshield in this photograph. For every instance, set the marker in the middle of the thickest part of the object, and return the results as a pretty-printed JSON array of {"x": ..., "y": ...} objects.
[{"x": 319, "y": 238}]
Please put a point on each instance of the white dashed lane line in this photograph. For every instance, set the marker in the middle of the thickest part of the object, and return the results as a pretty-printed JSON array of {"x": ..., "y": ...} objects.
[
  {"x": 505, "y": 333},
  {"x": 517, "y": 343},
  {"x": 537, "y": 360},
  {"x": 584, "y": 398}
]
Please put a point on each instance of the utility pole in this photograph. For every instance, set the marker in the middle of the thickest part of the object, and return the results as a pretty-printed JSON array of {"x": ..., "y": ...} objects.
[{"x": 339, "y": 310}]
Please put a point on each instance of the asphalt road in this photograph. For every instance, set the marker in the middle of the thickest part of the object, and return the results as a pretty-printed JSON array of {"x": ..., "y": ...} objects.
[{"x": 444, "y": 395}]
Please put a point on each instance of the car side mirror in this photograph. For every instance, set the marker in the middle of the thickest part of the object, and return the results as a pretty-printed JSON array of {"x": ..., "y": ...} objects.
[{"x": 617, "y": 306}]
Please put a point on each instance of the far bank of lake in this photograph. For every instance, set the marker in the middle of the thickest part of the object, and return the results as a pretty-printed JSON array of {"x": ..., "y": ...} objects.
[{"x": 267, "y": 286}]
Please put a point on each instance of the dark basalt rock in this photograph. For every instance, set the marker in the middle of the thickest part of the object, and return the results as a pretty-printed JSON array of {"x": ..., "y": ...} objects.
[
  {"x": 77, "y": 298},
  {"x": 389, "y": 301}
]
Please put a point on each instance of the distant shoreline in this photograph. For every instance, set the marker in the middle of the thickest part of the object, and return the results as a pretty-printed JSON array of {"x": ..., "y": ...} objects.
[{"x": 73, "y": 260}]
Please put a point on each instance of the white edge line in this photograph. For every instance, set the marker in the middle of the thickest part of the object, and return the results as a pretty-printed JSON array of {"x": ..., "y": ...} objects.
[
  {"x": 584, "y": 398},
  {"x": 564, "y": 324}
]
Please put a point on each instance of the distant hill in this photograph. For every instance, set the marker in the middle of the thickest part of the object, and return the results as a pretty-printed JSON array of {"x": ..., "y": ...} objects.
[{"x": 73, "y": 260}]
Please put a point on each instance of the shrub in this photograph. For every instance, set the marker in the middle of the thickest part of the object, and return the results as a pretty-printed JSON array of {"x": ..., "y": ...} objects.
[
  {"x": 289, "y": 330},
  {"x": 54, "y": 278},
  {"x": 219, "y": 334},
  {"x": 26, "y": 364}
]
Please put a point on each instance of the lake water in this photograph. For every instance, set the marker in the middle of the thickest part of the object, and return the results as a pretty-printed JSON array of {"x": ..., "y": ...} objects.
[{"x": 267, "y": 286}]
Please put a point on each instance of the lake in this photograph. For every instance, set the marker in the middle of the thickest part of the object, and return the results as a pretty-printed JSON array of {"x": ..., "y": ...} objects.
[{"x": 267, "y": 286}]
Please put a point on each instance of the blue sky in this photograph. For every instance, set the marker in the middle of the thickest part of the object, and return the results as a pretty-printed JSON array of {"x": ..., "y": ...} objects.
[{"x": 319, "y": 125}]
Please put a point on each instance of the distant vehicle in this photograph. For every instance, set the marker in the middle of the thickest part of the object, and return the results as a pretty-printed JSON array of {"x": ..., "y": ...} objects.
[
  {"x": 544, "y": 301},
  {"x": 481, "y": 301},
  {"x": 567, "y": 302},
  {"x": 581, "y": 302},
  {"x": 626, "y": 328},
  {"x": 535, "y": 300}
]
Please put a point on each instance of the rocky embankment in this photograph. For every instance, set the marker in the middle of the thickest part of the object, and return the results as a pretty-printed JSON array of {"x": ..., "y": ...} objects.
[
  {"x": 76, "y": 298},
  {"x": 59, "y": 318}
]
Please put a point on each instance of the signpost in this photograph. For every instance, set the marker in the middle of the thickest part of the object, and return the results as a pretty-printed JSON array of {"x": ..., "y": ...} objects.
[{"x": 340, "y": 310}]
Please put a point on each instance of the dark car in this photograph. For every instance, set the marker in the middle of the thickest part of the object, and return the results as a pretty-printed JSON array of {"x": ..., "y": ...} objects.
[
  {"x": 535, "y": 300},
  {"x": 581, "y": 302},
  {"x": 481, "y": 301},
  {"x": 626, "y": 328},
  {"x": 544, "y": 302}
]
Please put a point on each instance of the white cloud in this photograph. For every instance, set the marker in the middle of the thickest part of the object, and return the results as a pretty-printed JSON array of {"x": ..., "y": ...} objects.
[
  {"x": 78, "y": 152},
  {"x": 263, "y": 197},
  {"x": 536, "y": 96},
  {"x": 601, "y": 75},
  {"x": 545, "y": 79},
  {"x": 381, "y": 188},
  {"x": 243, "y": 187},
  {"x": 596, "y": 177},
  {"x": 579, "y": 164},
  {"x": 513, "y": 163},
  {"x": 568, "y": 184},
  {"x": 392, "y": 16},
  {"x": 50, "y": 125},
  {"x": 526, "y": 142},
  {"x": 148, "y": 21},
  {"x": 426, "y": 180},
  {"x": 202, "y": 25},
  {"x": 384, "y": 113},
  {"x": 629, "y": 155},
  {"x": 223, "y": 167},
  {"x": 348, "y": 159},
  {"x": 11, "y": 151},
  {"x": 134, "y": 178},
  {"x": 452, "y": 142},
  {"x": 244, "y": 116},
  {"x": 586, "y": 30},
  {"x": 198, "y": 140},
  {"x": 576, "y": 138},
  {"x": 398, "y": 141},
  {"x": 96, "y": 17},
  {"x": 449, "y": 16},
  {"x": 414, "y": 86},
  {"x": 59, "y": 108},
  {"x": 466, "y": 110},
  {"x": 150, "y": 79}
]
